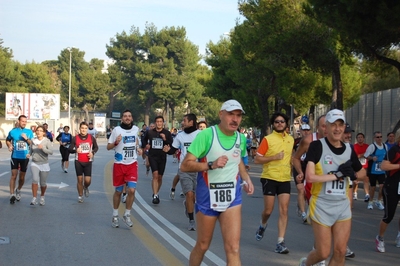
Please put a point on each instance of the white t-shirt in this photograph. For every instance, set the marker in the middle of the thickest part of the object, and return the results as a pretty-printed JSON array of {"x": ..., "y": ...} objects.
[
  {"x": 182, "y": 141},
  {"x": 125, "y": 151}
]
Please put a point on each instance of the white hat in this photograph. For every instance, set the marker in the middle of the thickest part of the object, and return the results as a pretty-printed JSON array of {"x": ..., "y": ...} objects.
[
  {"x": 231, "y": 105},
  {"x": 334, "y": 115},
  {"x": 305, "y": 127}
]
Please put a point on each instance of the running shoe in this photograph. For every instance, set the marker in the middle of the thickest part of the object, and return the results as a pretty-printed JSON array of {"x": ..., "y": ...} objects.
[
  {"x": 366, "y": 198},
  {"x": 65, "y": 170},
  {"x": 18, "y": 194},
  {"x": 86, "y": 191},
  {"x": 380, "y": 245},
  {"x": 304, "y": 217},
  {"x": 321, "y": 263},
  {"x": 349, "y": 253},
  {"x": 127, "y": 220},
  {"x": 172, "y": 194},
  {"x": 302, "y": 261},
  {"x": 355, "y": 196},
  {"x": 398, "y": 241},
  {"x": 12, "y": 199},
  {"x": 34, "y": 201},
  {"x": 379, "y": 205},
  {"x": 80, "y": 199},
  {"x": 124, "y": 198},
  {"x": 298, "y": 211},
  {"x": 370, "y": 207},
  {"x": 115, "y": 222},
  {"x": 260, "y": 232},
  {"x": 156, "y": 199},
  {"x": 147, "y": 171},
  {"x": 192, "y": 225},
  {"x": 281, "y": 248},
  {"x": 185, "y": 208},
  {"x": 182, "y": 195},
  {"x": 42, "y": 202}
]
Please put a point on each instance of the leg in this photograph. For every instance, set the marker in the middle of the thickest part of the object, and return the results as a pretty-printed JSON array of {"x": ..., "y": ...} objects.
[
  {"x": 116, "y": 199},
  {"x": 283, "y": 202},
  {"x": 371, "y": 193},
  {"x": 79, "y": 185},
  {"x": 322, "y": 244},
  {"x": 341, "y": 232},
  {"x": 130, "y": 198},
  {"x": 13, "y": 178},
  {"x": 366, "y": 186},
  {"x": 301, "y": 201},
  {"x": 175, "y": 181},
  {"x": 43, "y": 182},
  {"x": 230, "y": 223},
  {"x": 154, "y": 182},
  {"x": 21, "y": 179},
  {"x": 269, "y": 202},
  {"x": 380, "y": 192},
  {"x": 159, "y": 183},
  {"x": 35, "y": 179},
  {"x": 205, "y": 230}
]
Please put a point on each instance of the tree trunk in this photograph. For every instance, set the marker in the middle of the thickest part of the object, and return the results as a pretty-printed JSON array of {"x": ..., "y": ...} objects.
[{"x": 337, "y": 89}]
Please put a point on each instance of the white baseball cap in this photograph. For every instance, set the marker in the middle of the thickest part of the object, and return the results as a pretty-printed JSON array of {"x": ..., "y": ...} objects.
[
  {"x": 305, "y": 127},
  {"x": 231, "y": 105},
  {"x": 334, "y": 115}
]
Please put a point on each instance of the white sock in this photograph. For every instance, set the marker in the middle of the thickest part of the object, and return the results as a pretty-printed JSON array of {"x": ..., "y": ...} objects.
[
  {"x": 280, "y": 239},
  {"x": 127, "y": 212},
  {"x": 115, "y": 212}
]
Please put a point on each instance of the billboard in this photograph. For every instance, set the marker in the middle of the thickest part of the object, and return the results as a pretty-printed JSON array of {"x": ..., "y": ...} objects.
[
  {"x": 100, "y": 122},
  {"x": 35, "y": 106}
]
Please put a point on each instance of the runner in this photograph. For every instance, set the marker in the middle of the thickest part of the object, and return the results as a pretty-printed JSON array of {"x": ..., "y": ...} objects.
[
  {"x": 18, "y": 142},
  {"x": 40, "y": 149},
  {"x": 125, "y": 142},
  {"x": 157, "y": 138},
  {"x": 216, "y": 155},
  {"x": 360, "y": 148},
  {"x": 84, "y": 146},
  {"x": 64, "y": 138}
]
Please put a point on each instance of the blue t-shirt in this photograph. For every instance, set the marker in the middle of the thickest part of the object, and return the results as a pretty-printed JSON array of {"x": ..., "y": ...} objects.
[{"x": 21, "y": 147}]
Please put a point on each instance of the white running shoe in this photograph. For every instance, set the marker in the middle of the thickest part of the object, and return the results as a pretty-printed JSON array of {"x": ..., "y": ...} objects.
[
  {"x": 115, "y": 222},
  {"x": 86, "y": 191},
  {"x": 380, "y": 245},
  {"x": 192, "y": 225},
  {"x": 42, "y": 202},
  {"x": 398, "y": 241},
  {"x": 18, "y": 194},
  {"x": 124, "y": 198},
  {"x": 127, "y": 220},
  {"x": 80, "y": 199},
  {"x": 379, "y": 205},
  {"x": 370, "y": 207},
  {"x": 302, "y": 261},
  {"x": 172, "y": 193},
  {"x": 355, "y": 196},
  {"x": 34, "y": 201}
]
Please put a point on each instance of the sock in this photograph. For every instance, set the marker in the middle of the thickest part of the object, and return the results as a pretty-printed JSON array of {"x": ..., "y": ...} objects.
[
  {"x": 173, "y": 189},
  {"x": 115, "y": 212},
  {"x": 191, "y": 216},
  {"x": 127, "y": 212},
  {"x": 124, "y": 194},
  {"x": 263, "y": 225},
  {"x": 280, "y": 239}
]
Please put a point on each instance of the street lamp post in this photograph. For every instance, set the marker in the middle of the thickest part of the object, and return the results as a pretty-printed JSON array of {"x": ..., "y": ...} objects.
[{"x": 69, "y": 87}]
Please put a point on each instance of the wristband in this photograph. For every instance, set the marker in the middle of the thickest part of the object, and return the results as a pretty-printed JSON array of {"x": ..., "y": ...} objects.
[{"x": 116, "y": 143}]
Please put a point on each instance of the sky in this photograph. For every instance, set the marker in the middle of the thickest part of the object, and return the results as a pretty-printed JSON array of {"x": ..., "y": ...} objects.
[{"x": 38, "y": 30}]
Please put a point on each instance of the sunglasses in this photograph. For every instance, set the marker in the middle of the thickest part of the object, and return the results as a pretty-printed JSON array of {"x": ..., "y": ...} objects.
[
  {"x": 378, "y": 137},
  {"x": 279, "y": 121}
]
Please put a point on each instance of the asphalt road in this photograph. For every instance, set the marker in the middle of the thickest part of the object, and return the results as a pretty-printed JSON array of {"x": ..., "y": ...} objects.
[{"x": 65, "y": 232}]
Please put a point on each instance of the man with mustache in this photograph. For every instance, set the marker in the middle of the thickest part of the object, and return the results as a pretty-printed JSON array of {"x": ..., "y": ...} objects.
[{"x": 275, "y": 154}]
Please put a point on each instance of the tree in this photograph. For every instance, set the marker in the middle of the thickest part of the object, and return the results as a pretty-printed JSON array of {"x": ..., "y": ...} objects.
[{"x": 368, "y": 28}]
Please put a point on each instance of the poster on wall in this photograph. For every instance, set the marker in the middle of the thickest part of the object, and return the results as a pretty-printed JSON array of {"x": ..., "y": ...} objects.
[
  {"x": 100, "y": 122},
  {"x": 36, "y": 106}
]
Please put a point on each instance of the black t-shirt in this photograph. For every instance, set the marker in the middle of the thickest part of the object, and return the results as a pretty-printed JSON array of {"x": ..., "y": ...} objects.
[
  {"x": 314, "y": 153},
  {"x": 153, "y": 138},
  {"x": 393, "y": 177}
]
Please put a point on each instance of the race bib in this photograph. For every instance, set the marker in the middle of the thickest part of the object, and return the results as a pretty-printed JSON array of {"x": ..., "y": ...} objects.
[
  {"x": 378, "y": 167},
  {"x": 335, "y": 187},
  {"x": 157, "y": 143},
  {"x": 85, "y": 147},
  {"x": 129, "y": 152},
  {"x": 221, "y": 195},
  {"x": 21, "y": 145}
]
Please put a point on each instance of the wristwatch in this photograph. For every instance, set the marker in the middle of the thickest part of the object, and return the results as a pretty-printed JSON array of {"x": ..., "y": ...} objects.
[
  {"x": 210, "y": 164},
  {"x": 339, "y": 175}
]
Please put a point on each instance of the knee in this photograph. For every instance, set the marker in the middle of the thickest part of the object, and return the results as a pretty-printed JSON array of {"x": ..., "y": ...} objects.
[
  {"x": 340, "y": 251},
  {"x": 232, "y": 248},
  {"x": 131, "y": 191}
]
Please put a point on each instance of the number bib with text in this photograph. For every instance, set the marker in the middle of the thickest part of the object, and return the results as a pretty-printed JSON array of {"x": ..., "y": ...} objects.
[
  {"x": 21, "y": 145},
  {"x": 222, "y": 195},
  {"x": 129, "y": 152},
  {"x": 335, "y": 187},
  {"x": 85, "y": 147},
  {"x": 157, "y": 143}
]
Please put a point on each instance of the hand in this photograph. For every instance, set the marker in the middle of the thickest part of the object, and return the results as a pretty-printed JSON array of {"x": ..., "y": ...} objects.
[
  {"x": 347, "y": 170},
  {"x": 23, "y": 135},
  {"x": 118, "y": 139},
  {"x": 162, "y": 135},
  {"x": 248, "y": 186},
  {"x": 90, "y": 155},
  {"x": 280, "y": 155},
  {"x": 220, "y": 162},
  {"x": 79, "y": 150},
  {"x": 28, "y": 156},
  {"x": 300, "y": 177},
  {"x": 166, "y": 148},
  {"x": 40, "y": 146}
]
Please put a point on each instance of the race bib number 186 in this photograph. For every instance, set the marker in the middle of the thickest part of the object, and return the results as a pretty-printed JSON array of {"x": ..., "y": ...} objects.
[{"x": 221, "y": 195}]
